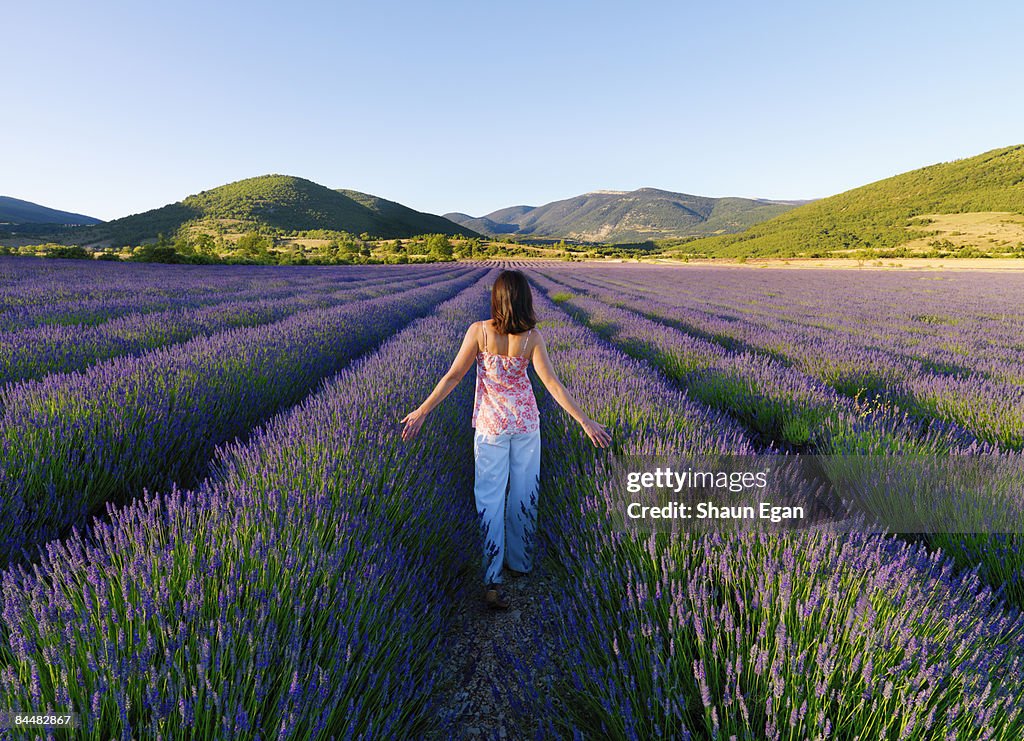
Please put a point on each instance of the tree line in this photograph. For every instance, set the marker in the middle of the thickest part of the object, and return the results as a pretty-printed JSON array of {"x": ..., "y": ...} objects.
[{"x": 270, "y": 247}]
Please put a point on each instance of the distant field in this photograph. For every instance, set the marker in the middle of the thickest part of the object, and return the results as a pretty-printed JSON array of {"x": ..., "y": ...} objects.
[
  {"x": 988, "y": 231},
  {"x": 951, "y": 264},
  {"x": 209, "y": 527}
]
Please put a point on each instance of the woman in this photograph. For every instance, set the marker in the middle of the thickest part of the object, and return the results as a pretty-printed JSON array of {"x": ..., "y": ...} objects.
[{"x": 506, "y": 446}]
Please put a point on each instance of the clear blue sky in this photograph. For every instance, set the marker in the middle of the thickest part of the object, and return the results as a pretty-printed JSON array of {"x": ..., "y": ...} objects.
[{"x": 114, "y": 108}]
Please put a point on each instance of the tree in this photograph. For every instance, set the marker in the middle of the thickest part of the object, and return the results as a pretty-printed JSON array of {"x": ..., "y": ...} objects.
[
  {"x": 205, "y": 245},
  {"x": 468, "y": 248},
  {"x": 73, "y": 252},
  {"x": 183, "y": 247},
  {"x": 347, "y": 246},
  {"x": 439, "y": 246},
  {"x": 255, "y": 246},
  {"x": 157, "y": 253}
]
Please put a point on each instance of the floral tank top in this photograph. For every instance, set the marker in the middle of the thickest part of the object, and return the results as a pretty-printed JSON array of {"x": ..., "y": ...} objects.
[{"x": 504, "y": 397}]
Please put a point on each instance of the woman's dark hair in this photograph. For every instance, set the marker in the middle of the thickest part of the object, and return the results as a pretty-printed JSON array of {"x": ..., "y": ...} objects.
[{"x": 512, "y": 303}]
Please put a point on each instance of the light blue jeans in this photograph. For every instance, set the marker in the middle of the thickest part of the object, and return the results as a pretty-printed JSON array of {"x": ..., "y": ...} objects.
[{"x": 513, "y": 461}]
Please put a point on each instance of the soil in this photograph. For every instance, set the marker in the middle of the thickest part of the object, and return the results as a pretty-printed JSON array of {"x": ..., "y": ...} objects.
[{"x": 482, "y": 697}]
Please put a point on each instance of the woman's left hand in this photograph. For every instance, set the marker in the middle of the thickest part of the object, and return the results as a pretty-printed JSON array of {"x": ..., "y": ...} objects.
[
  {"x": 597, "y": 433},
  {"x": 413, "y": 422}
]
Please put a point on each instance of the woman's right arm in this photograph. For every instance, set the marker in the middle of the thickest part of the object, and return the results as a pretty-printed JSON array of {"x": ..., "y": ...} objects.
[
  {"x": 597, "y": 432},
  {"x": 460, "y": 366}
]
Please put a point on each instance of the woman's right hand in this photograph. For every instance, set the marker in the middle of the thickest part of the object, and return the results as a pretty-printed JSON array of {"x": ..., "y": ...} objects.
[
  {"x": 597, "y": 433},
  {"x": 413, "y": 422}
]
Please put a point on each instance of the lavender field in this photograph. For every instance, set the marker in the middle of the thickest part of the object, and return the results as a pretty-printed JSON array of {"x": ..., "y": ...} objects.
[{"x": 210, "y": 528}]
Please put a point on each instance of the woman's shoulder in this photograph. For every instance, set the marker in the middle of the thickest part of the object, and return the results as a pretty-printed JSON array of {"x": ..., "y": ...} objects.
[
  {"x": 533, "y": 340},
  {"x": 478, "y": 331}
]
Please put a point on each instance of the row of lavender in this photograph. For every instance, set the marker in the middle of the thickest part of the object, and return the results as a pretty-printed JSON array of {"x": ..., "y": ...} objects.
[
  {"x": 949, "y": 325},
  {"x": 781, "y": 405},
  {"x": 953, "y": 354},
  {"x": 70, "y": 442},
  {"x": 300, "y": 592},
  {"x": 946, "y": 321},
  {"x": 69, "y": 292},
  {"x": 785, "y": 406},
  {"x": 27, "y": 281},
  {"x": 752, "y": 636},
  {"x": 52, "y": 348}
]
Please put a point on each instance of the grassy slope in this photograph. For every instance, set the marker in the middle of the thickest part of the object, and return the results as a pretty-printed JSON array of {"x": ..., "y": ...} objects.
[
  {"x": 395, "y": 215},
  {"x": 736, "y": 214},
  {"x": 877, "y": 215}
]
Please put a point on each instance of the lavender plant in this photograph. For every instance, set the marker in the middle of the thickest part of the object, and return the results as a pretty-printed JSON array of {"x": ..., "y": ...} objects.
[
  {"x": 956, "y": 359},
  {"x": 764, "y": 393},
  {"x": 301, "y": 592},
  {"x": 754, "y": 636},
  {"x": 60, "y": 348},
  {"x": 70, "y": 442}
]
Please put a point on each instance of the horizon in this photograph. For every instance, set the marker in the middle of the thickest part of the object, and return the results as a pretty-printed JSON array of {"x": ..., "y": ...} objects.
[
  {"x": 596, "y": 191},
  {"x": 460, "y": 108},
  {"x": 599, "y": 191}
]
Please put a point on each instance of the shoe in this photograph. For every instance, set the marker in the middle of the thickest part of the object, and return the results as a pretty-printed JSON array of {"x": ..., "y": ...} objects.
[
  {"x": 494, "y": 598},
  {"x": 517, "y": 574}
]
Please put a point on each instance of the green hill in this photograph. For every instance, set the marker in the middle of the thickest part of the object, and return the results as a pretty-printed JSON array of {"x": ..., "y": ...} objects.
[
  {"x": 278, "y": 202},
  {"x": 399, "y": 216},
  {"x": 891, "y": 213},
  {"x": 627, "y": 216}
]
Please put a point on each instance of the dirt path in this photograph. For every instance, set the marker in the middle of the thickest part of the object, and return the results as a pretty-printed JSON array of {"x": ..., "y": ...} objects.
[{"x": 485, "y": 695}]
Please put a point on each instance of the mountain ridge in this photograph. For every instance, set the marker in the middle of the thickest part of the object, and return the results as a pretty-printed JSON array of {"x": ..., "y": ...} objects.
[
  {"x": 17, "y": 211},
  {"x": 626, "y": 216}
]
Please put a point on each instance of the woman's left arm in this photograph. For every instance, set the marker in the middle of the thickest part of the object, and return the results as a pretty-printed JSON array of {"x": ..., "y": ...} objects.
[{"x": 460, "y": 366}]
